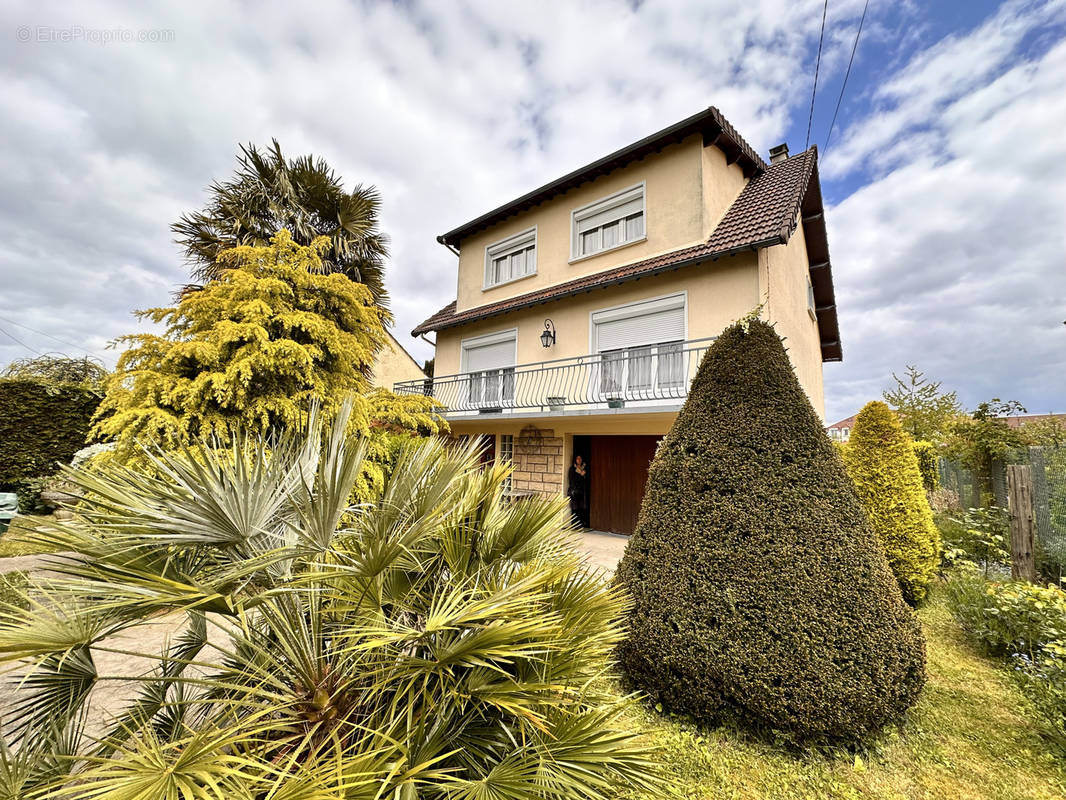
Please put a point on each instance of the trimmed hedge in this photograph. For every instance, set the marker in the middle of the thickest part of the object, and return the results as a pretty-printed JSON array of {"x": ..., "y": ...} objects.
[
  {"x": 925, "y": 452},
  {"x": 42, "y": 425},
  {"x": 880, "y": 460},
  {"x": 759, "y": 590}
]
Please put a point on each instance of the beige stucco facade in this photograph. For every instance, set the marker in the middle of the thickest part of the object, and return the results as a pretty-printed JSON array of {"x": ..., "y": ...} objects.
[
  {"x": 716, "y": 294},
  {"x": 394, "y": 364},
  {"x": 688, "y": 187},
  {"x": 783, "y": 281}
]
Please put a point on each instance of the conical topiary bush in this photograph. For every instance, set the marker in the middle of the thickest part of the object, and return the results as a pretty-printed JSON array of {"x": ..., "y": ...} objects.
[
  {"x": 881, "y": 460},
  {"x": 759, "y": 589}
]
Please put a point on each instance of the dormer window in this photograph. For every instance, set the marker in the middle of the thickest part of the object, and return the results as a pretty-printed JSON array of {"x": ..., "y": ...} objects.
[
  {"x": 511, "y": 259},
  {"x": 608, "y": 223}
]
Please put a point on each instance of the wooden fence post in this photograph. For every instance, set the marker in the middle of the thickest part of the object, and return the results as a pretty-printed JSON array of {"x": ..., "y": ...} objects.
[{"x": 1020, "y": 502}]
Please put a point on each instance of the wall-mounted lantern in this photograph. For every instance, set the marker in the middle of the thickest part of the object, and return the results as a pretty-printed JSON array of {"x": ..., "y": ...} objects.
[{"x": 547, "y": 336}]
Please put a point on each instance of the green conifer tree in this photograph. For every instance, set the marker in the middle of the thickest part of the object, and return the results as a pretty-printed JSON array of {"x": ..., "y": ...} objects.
[{"x": 759, "y": 589}]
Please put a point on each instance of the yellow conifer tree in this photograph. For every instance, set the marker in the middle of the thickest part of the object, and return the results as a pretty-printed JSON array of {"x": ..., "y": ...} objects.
[
  {"x": 253, "y": 350},
  {"x": 882, "y": 464}
]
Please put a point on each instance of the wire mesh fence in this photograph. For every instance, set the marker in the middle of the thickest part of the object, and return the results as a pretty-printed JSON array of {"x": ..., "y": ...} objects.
[{"x": 1048, "y": 465}]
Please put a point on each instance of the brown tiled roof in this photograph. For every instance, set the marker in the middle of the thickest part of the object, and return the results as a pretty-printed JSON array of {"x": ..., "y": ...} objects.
[
  {"x": 716, "y": 129},
  {"x": 765, "y": 211},
  {"x": 764, "y": 214},
  {"x": 847, "y": 422},
  {"x": 1026, "y": 419}
]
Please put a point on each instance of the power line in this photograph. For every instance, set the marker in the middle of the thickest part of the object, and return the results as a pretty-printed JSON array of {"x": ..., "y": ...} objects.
[
  {"x": 817, "y": 64},
  {"x": 50, "y": 336},
  {"x": 854, "y": 47},
  {"x": 20, "y": 342}
]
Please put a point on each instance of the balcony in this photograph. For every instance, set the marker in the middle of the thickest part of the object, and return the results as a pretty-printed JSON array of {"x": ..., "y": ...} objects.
[{"x": 650, "y": 378}]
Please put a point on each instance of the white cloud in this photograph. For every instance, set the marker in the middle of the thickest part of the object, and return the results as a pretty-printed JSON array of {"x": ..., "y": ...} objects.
[
  {"x": 451, "y": 109},
  {"x": 956, "y": 257}
]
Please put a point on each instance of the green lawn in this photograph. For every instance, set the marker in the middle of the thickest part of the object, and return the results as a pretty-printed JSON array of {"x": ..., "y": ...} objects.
[
  {"x": 970, "y": 736},
  {"x": 11, "y": 545}
]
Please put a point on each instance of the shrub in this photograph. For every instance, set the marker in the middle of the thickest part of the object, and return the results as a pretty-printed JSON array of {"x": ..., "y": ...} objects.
[
  {"x": 58, "y": 370},
  {"x": 759, "y": 590},
  {"x": 880, "y": 460},
  {"x": 29, "y": 493},
  {"x": 925, "y": 452},
  {"x": 42, "y": 426},
  {"x": 979, "y": 536},
  {"x": 1007, "y": 618},
  {"x": 13, "y": 586},
  {"x": 1043, "y": 681},
  {"x": 1025, "y": 623},
  {"x": 434, "y": 642}
]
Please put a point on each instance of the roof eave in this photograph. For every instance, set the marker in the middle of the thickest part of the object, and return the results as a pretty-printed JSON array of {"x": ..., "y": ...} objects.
[
  {"x": 538, "y": 299},
  {"x": 715, "y": 128},
  {"x": 812, "y": 218}
]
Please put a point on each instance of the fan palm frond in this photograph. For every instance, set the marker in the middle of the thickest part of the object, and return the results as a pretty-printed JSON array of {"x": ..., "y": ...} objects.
[
  {"x": 303, "y": 195},
  {"x": 434, "y": 641}
]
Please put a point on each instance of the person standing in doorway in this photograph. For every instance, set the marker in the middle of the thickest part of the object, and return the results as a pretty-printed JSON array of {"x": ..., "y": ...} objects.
[{"x": 578, "y": 482}]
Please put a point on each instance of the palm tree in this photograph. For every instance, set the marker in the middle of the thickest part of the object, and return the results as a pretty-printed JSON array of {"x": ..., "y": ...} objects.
[
  {"x": 304, "y": 196},
  {"x": 433, "y": 643}
]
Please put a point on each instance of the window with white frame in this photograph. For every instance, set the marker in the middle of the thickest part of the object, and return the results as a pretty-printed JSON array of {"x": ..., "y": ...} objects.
[
  {"x": 608, "y": 223},
  {"x": 511, "y": 259},
  {"x": 489, "y": 363},
  {"x": 812, "y": 309},
  {"x": 506, "y": 452},
  {"x": 641, "y": 348}
]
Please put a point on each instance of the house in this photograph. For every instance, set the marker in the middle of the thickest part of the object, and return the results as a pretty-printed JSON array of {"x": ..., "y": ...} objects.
[
  {"x": 1021, "y": 420},
  {"x": 583, "y": 307},
  {"x": 841, "y": 431},
  {"x": 394, "y": 365}
]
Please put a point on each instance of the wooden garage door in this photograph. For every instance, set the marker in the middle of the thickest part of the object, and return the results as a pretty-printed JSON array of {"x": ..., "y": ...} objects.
[{"x": 619, "y": 467}]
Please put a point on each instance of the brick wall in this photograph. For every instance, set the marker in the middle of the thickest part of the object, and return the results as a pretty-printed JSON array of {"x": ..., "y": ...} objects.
[{"x": 538, "y": 462}]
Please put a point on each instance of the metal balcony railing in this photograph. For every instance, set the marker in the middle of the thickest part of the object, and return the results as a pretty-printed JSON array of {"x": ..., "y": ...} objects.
[{"x": 647, "y": 376}]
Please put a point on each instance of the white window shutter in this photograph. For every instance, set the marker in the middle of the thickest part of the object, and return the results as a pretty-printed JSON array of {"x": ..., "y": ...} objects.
[
  {"x": 667, "y": 325},
  {"x": 611, "y": 214},
  {"x": 490, "y": 356}
]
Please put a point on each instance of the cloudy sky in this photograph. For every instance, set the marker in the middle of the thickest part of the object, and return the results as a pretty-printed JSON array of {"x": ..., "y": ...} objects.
[{"x": 944, "y": 177}]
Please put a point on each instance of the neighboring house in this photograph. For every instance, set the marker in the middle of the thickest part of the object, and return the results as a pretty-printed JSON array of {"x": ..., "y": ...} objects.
[
  {"x": 584, "y": 307},
  {"x": 394, "y": 365},
  {"x": 1021, "y": 420},
  {"x": 841, "y": 431}
]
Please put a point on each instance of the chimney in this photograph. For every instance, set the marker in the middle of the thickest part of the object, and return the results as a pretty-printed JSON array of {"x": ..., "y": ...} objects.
[{"x": 779, "y": 153}]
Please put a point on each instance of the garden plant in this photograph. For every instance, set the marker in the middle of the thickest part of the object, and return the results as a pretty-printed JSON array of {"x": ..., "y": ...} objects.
[
  {"x": 880, "y": 459},
  {"x": 760, "y": 591},
  {"x": 431, "y": 642},
  {"x": 274, "y": 333},
  {"x": 47, "y": 406},
  {"x": 303, "y": 195},
  {"x": 1024, "y": 623}
]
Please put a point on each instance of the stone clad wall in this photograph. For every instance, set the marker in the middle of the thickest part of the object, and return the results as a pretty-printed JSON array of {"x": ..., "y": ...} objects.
[{"x": 538, "y": 462}]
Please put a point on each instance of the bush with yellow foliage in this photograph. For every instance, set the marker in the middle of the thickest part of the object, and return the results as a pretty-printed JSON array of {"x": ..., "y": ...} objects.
[
  {"x": 253, "y": 350},
  {"x": 881, "y": 462}
]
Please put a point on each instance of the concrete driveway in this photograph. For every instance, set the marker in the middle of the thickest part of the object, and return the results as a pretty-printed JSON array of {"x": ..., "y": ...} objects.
[
  {"x": 603, "y": 549},
  {"x": 118, "y": 659}
]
